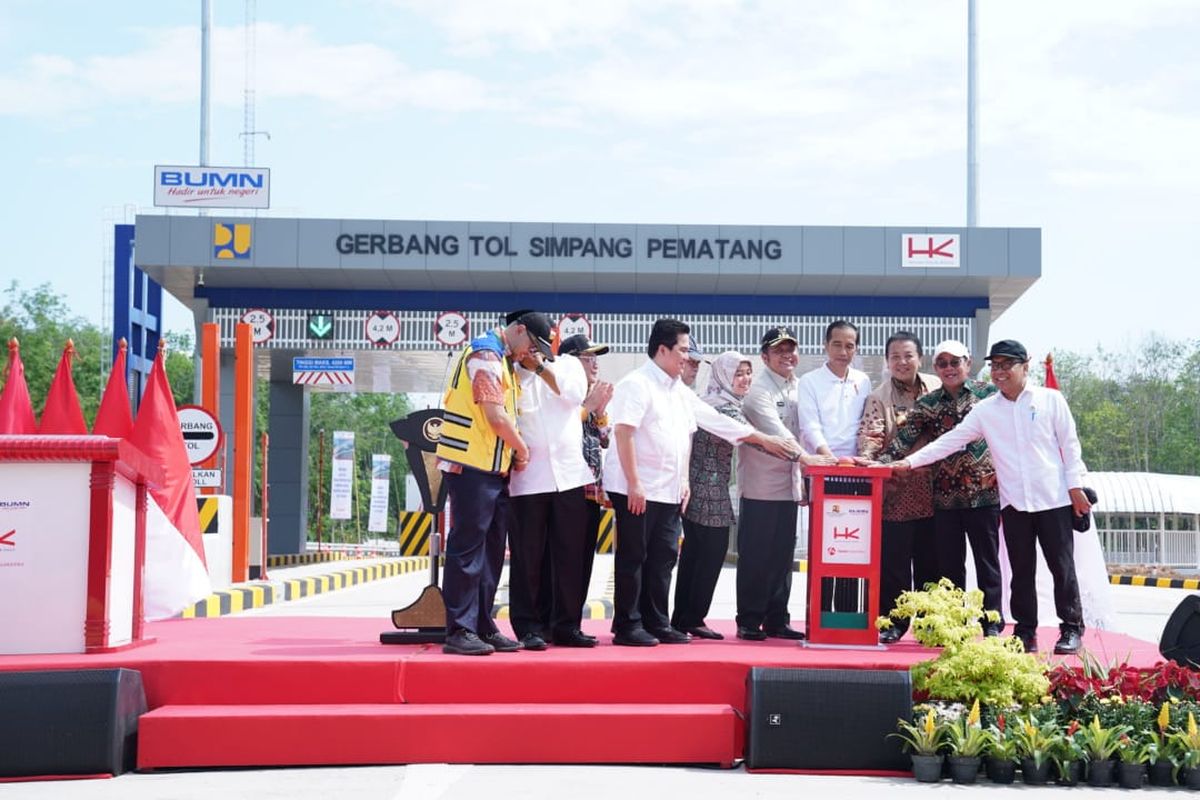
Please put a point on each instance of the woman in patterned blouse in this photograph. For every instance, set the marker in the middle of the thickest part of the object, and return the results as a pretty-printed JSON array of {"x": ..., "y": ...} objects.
[{"x": 709, "y": 511}]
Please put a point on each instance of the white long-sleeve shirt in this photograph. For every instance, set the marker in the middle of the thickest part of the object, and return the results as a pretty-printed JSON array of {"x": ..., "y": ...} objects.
[
  {"x": 664, "y": 413},
  {"x": 551, "y": 426},
  {"x": 831, "y": 408},
  {"x": 1033, "y": 444}
]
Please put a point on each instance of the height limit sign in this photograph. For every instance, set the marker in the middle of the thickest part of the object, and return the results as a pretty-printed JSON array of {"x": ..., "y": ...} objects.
[{"x": 201, "y": 433}]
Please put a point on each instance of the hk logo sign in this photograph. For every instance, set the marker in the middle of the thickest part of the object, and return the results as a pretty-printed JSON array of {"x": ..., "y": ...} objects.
[
  {"x": 8, "y": 541},
  {"x": 929, "y": 250}
]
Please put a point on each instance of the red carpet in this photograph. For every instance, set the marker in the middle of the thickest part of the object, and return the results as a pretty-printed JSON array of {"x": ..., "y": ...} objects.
[{"x": 245, "y": 691}]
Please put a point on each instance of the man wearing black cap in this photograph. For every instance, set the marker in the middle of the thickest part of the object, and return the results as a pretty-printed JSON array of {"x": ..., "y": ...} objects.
[
  {"x": 1031, "y": 436},
  {"x": 480, "y": 443},
  {"x": 766, "y": 536},
  {"x": 546, "y": 540}
]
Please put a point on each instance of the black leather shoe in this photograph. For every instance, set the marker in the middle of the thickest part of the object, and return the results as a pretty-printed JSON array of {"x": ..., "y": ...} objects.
[
  {"x": 1029, "y": 642},
  {"x": 786, "y": 632},
  {"x": 574, "y": 639},
  {"x": 890, "y": 635},
  {"x": 993, "y": 628},
  {"x": 703, "y": 632},
  {"x": 532, "y": 641},
  {"x": 1068, "y": 643},
  {"x": 465, "y": 643},
  {"x": 635, "y": 638},
  {"x": 750, "y": 634},
  {"x": 671, "y": 636},
  {"x": 502, "y": 643}
]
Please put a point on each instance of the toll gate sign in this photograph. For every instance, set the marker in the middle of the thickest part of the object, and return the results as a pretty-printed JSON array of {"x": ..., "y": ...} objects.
[{"x": 201, "y": 433}]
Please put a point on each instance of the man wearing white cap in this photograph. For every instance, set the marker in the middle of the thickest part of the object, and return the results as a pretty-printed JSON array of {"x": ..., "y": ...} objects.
[{"x": 965, "y": 498}]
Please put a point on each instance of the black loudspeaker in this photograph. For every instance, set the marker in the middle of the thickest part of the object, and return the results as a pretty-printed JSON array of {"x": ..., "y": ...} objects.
[
  {"x": 69, "y": 722},
  {"x": 1180, "y": 640},
  {"x": 826, "y": 719}
]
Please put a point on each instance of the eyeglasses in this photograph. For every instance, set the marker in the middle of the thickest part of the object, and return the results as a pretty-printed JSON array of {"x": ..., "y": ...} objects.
[
  {"x": 945, "y": 363},
  {"x": 1005, "y": 365}
]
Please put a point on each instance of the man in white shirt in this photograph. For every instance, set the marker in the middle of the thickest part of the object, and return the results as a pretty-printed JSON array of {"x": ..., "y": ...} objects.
[
  {"x": 830, "y": 401},
  {"x": 831, "y": 397},
  {"x": 549, "y": 507},
  {"x": 1030, "y": 434},
  {"x": 653, "y": 416}
]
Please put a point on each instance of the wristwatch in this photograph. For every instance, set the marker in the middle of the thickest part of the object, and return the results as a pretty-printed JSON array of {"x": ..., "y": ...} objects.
[{"x": 539, "y": 369}]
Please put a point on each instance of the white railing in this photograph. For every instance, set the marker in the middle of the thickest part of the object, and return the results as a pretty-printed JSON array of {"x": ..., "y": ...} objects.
[{"x": 1163, "y": 548}]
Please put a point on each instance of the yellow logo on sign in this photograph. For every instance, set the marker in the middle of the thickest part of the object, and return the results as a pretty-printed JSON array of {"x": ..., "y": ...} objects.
[{"x": 231, "y": 241}]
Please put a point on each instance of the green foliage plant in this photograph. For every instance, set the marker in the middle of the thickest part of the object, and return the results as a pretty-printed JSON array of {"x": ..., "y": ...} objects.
[
  {"x": 994, "y": 670},
  {"x": 1185, "y": 745},
  {"x": 941, "y": 614},
  {"x": 1068, "y": 748},
  {"x": 1003, "y": 745}
]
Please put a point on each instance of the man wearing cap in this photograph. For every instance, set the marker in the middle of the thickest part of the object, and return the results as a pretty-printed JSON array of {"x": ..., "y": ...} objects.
[
  {"x": 965, "y": 498},
  {"x": 1031, "y": 435},
  {"x": 480, "y": 443},
  {"x": 549, "y": 507},
  {"x": 692, "y": 368},
  {"x": 596, "y": 432},
  {"x": 653, "y": 416},
  {"x": 767, "y": 520}
]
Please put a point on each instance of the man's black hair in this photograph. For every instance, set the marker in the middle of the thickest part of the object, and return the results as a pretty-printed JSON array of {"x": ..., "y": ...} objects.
[
  {"x": 665, "y": 332},
  {"x": 841, "y": 323},
  {"x": 902, "y": 336}
]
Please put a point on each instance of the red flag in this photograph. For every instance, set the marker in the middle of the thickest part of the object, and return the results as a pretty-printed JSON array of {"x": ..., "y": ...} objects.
[
  {"x": 114, "y": 417},
  {"x": 1051, "y": 381},
  {"x": 16, "y": 410},
  {"x": 156, "y": 433},
  {"x": 62, "y": 413}
]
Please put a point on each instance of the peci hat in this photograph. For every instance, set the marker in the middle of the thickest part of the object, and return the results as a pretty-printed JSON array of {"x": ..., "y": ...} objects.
[
  {"x": 952, "y": 347},
  {"x": 538, "y": 326},
  {"x": 580, "y": 345},
  {"x": 774, "y": 336},
  {"x": 1008, "y": 348},
  {"x": 696, "y": 352}
]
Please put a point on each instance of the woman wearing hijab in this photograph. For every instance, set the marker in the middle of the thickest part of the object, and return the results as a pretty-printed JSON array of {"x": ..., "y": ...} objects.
[{"x": 709, "y": 511}]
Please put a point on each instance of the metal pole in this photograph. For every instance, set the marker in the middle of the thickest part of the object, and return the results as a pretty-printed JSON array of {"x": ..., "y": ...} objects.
[
  {"x": 205, "y": 76},
  {"x": 972, "y": 116},
  {"x": 320, "y": 486}
]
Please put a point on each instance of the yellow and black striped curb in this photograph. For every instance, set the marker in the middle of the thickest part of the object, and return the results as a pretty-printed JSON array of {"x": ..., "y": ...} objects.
[
  {"x": 592, "y": 609},
  {"x": 257, "y": 595},
  {"x": 297, "y": 559},
  {"x": 1192, "y": 584}
]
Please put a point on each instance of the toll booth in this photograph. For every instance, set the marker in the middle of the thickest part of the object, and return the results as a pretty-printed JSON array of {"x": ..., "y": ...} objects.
[{"x": 845, "y": 520}]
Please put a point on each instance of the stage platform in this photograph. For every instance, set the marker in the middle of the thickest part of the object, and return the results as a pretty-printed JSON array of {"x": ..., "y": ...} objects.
[{"x": 268, "y": 691}]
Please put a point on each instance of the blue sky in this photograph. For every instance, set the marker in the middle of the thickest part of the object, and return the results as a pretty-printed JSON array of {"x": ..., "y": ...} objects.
[{"x": 680, "y": 111}]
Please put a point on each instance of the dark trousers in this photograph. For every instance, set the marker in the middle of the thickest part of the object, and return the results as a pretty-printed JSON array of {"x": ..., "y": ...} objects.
[
  {"x": 1052, "y": 530},
  {"x": 553, "y": 523},
  {"x": 700, "y": 563},
  {"x": 907, "y": 559},
  {"x": 766, "y": 549},
  {"x": 474, "y": 548},
  {"x": 645, "y": 556},
  {"x": 982, "y": 527}
]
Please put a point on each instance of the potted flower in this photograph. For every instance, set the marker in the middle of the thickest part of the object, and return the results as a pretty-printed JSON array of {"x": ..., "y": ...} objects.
[
  {"x": 1001, "y": 761},
  {"x": 967, "y": 742},
  {"x": 1161, "y": 766},
  {"x": 1101, "y": 744},
  {"x": 924, "y": 741},
  {"x": 1134, "y": 753},
  {"x": 1035, "y": 744},
  {"x": 1068, "y": 755},
  {"x": 1186, "y": 746}
]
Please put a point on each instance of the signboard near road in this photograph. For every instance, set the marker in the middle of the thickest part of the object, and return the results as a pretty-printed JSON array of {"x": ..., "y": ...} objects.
[
  {"x": 320, "y": 326},
  {"x": 451, "y": 328},
  {"x": 212, "y": 187},
  {"x": 206, "y": 478},
  {"x": 201, "y": 433},
  {"x": 930, "y": 250},
  {"x": 262, "y": 324},
  {"x": 323, "y": 371},
  {"x": 382, "y": 328}
]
